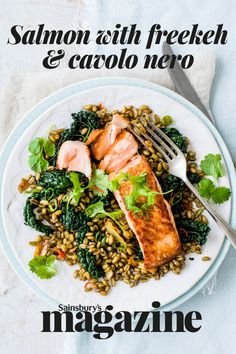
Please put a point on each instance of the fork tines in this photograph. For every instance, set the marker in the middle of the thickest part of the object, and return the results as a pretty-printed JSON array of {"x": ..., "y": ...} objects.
[{"x": 159, "y": 140}]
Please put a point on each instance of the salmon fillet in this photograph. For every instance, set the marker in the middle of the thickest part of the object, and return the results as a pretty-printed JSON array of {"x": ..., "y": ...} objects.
[
  {"x": 74, "y": 156},
  {"x": 156, "y": 232},
  {"x": 102, "y": 144},
  {"x": 124, "y": 147},
  {"x": 93, "y": 136},
  {"x": 103, "y": 139},
  {"x": 120, "y": 121}
]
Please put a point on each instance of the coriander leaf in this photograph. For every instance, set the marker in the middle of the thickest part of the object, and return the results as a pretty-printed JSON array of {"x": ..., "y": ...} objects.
[
  {"x": 116, "y": 182},
  {"x": 36, "y": 146},
  {"x": 94, "y": 209},
  {"x": 116, "y": 214},
  {"x": 38, "y": 163},
  {"x": 130, "y": 203},
  {"x": 43, "y": 266},
  {"x": 212, "y": 166},
  {"x": 101, "y": 181},
  {"x": 98, "y": 209},
  {"x": 49, "y": 148},
  {"x": 221, "y": 195},
  {"x": 206, "y": 188},
  {"x": 77, "y": 189}
]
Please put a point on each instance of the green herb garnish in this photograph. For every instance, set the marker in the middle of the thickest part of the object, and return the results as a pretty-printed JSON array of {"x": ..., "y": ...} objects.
[
  {"x": 97, "y": 209},
  {"x": 39, "y": 148},
  {"x": 212, "y": 166},
  {"x": 139, "y": 189},
  {"x": 78, "y": 190},
  {"x": 43, "y": 266},
  {"x": 209, "y": 191},
  {"x": 101, "y": 181}
]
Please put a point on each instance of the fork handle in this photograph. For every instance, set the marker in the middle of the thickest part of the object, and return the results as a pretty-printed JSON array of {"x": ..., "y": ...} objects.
[{"x": 228, "y": 230}]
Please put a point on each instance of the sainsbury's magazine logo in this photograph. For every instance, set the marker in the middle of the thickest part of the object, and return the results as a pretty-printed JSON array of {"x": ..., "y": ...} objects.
[{"x": 103, "y": 323}]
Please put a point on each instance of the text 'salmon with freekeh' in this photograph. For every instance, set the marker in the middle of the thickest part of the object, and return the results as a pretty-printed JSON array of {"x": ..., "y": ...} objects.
[
  {"x": 103, "y": 324},
  {"x": 120, "y": 35}
]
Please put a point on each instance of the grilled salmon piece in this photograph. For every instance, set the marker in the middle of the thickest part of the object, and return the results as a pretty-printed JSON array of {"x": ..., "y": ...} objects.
[
  {"x": 74, "y": 156},
  {"x": 102, "y": 139},
  {"x": 93, "y": 136},
  {"x": 120, "y": 121},
  {"x": 124, "y": 147},
  {"x": 156, "y": 232}
]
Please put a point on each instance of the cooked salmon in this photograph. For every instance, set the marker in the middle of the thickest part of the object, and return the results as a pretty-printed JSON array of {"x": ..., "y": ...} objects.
[
  {"x": 121, "y": 151},
  {"x": 120, "y": 121},
  {"x": 93, "y": 136},
  {"x": 74, "y": 156},
  {"x": 102, "y": 139},
  {"x": 156, "y": 232},
  {"x": 102, "y": 144}
]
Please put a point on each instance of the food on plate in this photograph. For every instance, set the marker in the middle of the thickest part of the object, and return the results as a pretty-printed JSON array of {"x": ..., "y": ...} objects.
[
  {"x": 103, "y": 139},
  {"x": 106, "y": 205},
  {"x": 120, "y": 152},
  {"x": 74, "y": 156},
  {"x": 157, "y": 234}
]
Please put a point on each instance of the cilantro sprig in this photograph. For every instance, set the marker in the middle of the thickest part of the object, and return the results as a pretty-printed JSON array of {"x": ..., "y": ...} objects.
[
  {"x": 39, "y": 148},
  {"x": 212, "y": 166},
  {"x": 100, "y": 180},
  {"x": 141, "y": 197},
  {"x": 99, "y": 183},
  {"x": 209, "y": 191},
  {"x": 43, "y": 266},
  {"x": 77, "y": 188},
  {"x": 97, "y": 209}
]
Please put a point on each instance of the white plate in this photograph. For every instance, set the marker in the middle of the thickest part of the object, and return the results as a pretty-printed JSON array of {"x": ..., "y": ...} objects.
[{"x": 56, "y": 109}]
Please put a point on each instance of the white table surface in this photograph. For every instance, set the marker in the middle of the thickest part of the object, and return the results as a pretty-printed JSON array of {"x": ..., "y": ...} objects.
[{"x": 20, "y": 318}]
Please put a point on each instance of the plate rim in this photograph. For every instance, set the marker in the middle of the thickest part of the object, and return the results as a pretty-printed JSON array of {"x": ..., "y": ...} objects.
[{"x": 68, "y": 91}]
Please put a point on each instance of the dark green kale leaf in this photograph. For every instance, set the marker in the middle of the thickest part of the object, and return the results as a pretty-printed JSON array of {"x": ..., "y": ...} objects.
[
  {"x": 77, "y": 221},
  {"x": 55, "y": 179},
  {"x": 88, "y": 262},
  {"x": 80, "y": 120},
  {"x": 30, "y": 219},
  {"x": 176, "y": 185},
  {"x": 193, "y": 177},
  {"x": 60, "y": 180},
  {"x": 171, "y": 183},
  {"x": 177, "y": 138},
  {"x": 138, "y": 252},
  {"x": 192, "y": 231},
  {"x": 71, "y": 219}
]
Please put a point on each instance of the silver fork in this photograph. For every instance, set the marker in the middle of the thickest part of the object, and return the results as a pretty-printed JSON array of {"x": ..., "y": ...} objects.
[{"x": 178, "y": 166}]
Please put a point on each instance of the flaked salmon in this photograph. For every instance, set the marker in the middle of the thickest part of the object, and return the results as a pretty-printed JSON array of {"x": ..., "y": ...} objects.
[
  {"x": 120, "y": 121},
  {"x": 120, "y": 152},
  {"x": 93, "y": 136},
  {"x": 102, "y": 139},
  {"x": 156, "y": 232},
  {"x": 74, "y": 156}
]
